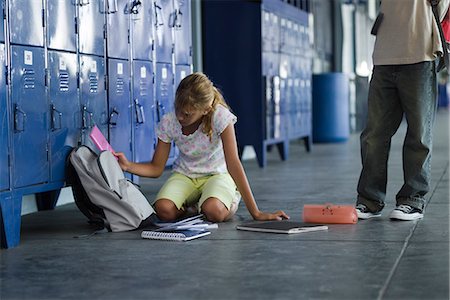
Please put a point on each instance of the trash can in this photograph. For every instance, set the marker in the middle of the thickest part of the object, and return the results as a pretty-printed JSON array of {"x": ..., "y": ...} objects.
[{"x": 330, "y": 108}]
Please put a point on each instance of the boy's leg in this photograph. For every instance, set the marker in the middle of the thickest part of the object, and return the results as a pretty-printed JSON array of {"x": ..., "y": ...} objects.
[
  {"x": 417, "y": 88},
  {"x": 384, "y": 118}
]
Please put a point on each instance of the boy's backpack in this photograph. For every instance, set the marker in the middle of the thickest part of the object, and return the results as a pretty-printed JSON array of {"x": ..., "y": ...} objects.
[{"x": 102, "y": 193}]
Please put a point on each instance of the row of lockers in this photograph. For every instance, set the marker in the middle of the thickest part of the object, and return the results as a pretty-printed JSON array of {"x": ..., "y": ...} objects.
[
  {"x": 75, "y": 64},
  {"x": 281, "y": 126},
  {"x": 288, "y": 108},
  {"x": 82, "y": 25},
  {"x": 287, "y": 67},
  {"x": 283, "y": 35},
  {"x": 67, "y": 65},
  {"x": 289, "y": 95},
  {"x": 280, "y": 54}
]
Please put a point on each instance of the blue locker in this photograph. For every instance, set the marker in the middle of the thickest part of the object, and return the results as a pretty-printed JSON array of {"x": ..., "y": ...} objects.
[
  {"x": 4, "y": 124},
  {"x": 30, "y": 115},
  {"x": 164, "y": 97},
  {"x": 182, "y": 32},
  {"x": 119, "y": 106},
  {"x": 141, "y": 33},
  {"x": 91, "y": 20},
  {"x": 94, "y": 109},
  {"x": 26, "y": 24},
  {"x": 2, "y": 24},
  {"x": 61, "y": 33},
  {"x": 117, "y": 29},
  {"x": 181, "y": 71},
  {"x": 65, "y": 115},
  {"x": 164, "y": 90},
  {"x": 164, "y": 21},
  {"x": 144, "y": 118}
]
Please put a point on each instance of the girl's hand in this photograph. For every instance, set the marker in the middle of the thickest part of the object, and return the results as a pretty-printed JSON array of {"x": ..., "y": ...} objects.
[
  {"x": 123, "y": 161},
  {"x": 278, "y": 215}
]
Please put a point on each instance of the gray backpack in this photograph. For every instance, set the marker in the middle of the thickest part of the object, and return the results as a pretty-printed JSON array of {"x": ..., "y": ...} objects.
[{"x": 102, "y": 192}]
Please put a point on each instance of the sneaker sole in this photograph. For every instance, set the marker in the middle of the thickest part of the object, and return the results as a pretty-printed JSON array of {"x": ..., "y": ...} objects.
[
  {"x": 365, "y": 216},
  {"x": 405, "y": 217}
]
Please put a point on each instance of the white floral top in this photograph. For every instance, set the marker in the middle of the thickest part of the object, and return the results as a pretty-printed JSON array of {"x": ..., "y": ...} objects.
[{"x": 198, "y": 155}]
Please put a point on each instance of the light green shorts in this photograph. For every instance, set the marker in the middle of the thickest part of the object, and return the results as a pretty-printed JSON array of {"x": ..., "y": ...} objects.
[{"x": 185, "y": 191}]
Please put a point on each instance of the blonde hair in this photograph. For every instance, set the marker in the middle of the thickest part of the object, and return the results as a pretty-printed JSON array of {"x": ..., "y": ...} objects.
[{"x": 198, "y": 92}]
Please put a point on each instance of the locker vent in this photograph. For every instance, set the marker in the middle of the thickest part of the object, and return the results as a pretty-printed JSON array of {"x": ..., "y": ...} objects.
[
  {"x": 29, "y": 78},
  {"x": 63, "y": 81}
]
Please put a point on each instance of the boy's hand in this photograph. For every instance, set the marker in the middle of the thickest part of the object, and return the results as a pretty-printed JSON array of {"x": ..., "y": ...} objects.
[
  {"x": 278, "y": 215},
  {"x": 123, "y": 161}
]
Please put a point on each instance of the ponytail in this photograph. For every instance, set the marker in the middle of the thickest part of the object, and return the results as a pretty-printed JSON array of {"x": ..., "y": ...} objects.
[{"x": 208, "y": 118}]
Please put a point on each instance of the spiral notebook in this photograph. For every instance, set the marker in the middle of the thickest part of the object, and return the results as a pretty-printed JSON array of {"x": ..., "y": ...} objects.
[{"x": 179, "y": 235}]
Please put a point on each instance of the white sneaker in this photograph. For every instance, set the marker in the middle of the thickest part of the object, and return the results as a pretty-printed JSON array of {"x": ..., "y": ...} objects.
[
  {"x": 406, "y": 213},
  {"x": 364, "y": 213}
]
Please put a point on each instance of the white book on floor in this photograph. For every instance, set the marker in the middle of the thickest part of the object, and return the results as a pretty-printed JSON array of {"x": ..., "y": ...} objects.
[
  {"x": 193, "y": 223},
  {"x": 178, "y": 235}
]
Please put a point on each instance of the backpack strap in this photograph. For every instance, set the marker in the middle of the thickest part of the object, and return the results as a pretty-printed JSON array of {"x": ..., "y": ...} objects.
[{"x": 445, "y": 48}]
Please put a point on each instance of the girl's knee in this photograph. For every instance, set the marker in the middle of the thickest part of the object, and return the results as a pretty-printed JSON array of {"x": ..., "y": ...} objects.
[
  {"x": 166, "y": 210},
  {"x": 214, "y": 210}
]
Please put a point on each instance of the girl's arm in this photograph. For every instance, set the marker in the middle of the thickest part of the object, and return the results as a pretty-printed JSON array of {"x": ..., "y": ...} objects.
[
  {"x": 237, "y": 172},
  {"x": 151, "y": 169}
]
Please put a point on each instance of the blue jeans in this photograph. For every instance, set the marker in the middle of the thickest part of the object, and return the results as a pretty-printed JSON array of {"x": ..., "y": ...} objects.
[{"x": 396, "y": 91}]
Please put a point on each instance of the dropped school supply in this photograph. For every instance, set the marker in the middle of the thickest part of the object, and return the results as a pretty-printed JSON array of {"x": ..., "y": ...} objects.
[
  {"x": 329, "y": 214},
  {"x": 191, "y": 223},
  {"x": 183, "y": 230},
  {"x": 102, "y": 193},
  {"x": 178, "y": 235},
  {"x": 281, "y": 227}
]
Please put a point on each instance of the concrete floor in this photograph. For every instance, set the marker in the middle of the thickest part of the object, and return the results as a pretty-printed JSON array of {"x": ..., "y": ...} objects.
[{"x": 374, "y": 259}]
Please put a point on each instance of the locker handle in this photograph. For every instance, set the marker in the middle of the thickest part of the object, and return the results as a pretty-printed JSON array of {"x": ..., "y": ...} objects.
[
  {"x": 140, "y": 116},
  {"x": 113, "y": 117},
  {"x": 177, "y": 22},
  {"x": 83, "y": 2},
  {"x": 135, "y": 7},
  {"x": 112, "y": 6},
  {"x": 19, "y": 119},
  {"x": 158, "y": 22},
  {"x": 84, "y": 120},
  {"x": 56, "y": 116},
  {"x": 173, "y": 19}
]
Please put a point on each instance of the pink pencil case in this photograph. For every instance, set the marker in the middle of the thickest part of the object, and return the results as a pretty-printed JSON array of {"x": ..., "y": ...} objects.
[{"x": 329, "y": 214}]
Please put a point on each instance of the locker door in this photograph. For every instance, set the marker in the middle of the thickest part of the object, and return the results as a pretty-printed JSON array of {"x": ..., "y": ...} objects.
[
  {"x": 61, "y": 25},
  {"x": 180, "y": 73},
  {"x": 65, "y": 115},
  {"x": 117, "y": 29},
  {"x": 119, "y": 106},
  {"x": 182, "y": 29},
  {"x": 26, "y": 27},
  {"x": 164, "y": 89},
  {"x": 2, "y": 24},
  {"x": 163, "y": 21},
  {"x": 92, "y": 96},
  {"x": 164, "y": 97},
  {"x": 4, "y": 128},
  {"x": 143, "y": 111},
  {"x": 91, "y": 23},
  {"x": 29, "y": 116},
  {"x": 141, "y": 30}
]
